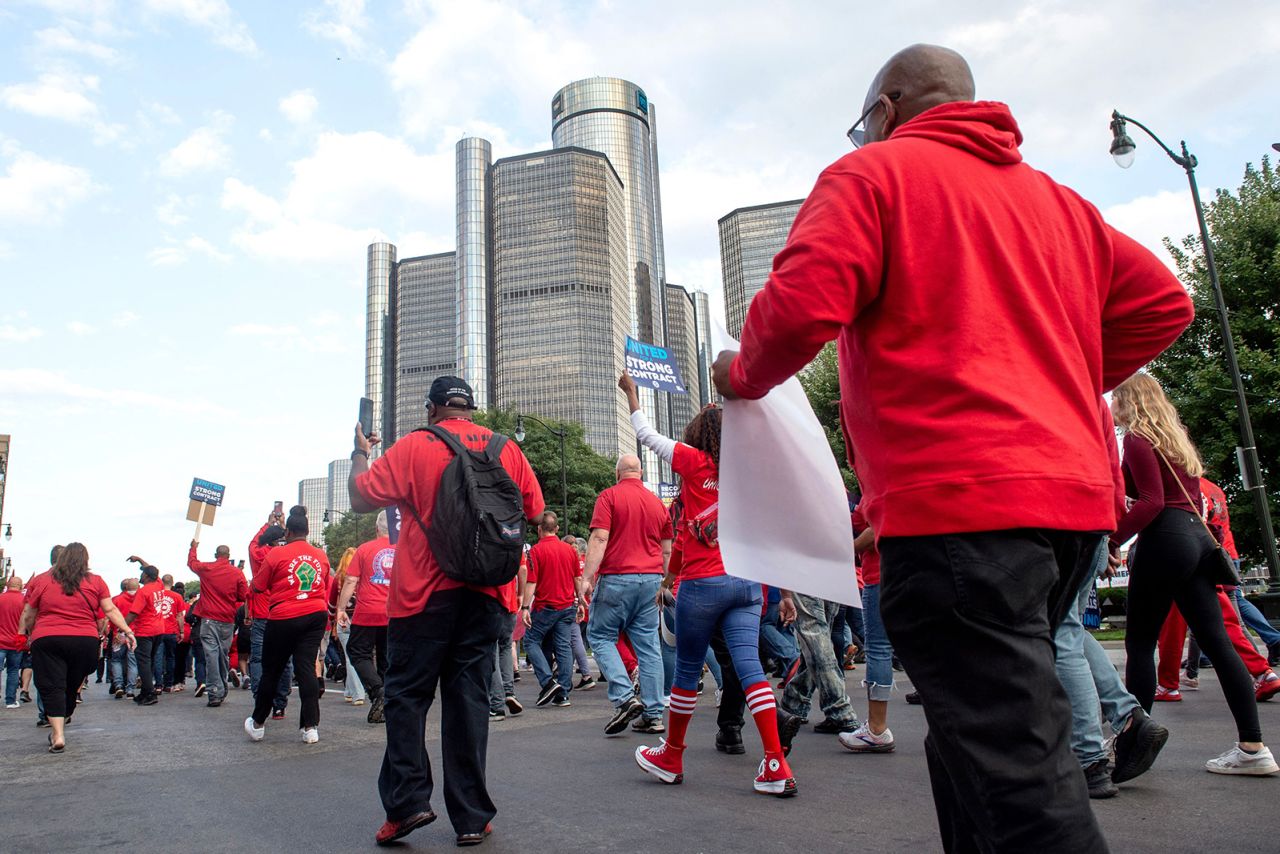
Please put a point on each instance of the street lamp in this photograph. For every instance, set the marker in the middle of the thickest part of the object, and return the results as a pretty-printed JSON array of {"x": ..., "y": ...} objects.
[
  {"x": 564, "y": 467},
  {"x": 8, "y": 532},
  {"x": 1122, "y": 149}
]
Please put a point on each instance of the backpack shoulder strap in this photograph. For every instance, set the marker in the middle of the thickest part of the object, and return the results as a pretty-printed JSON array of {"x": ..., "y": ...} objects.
[
  {"x": 449, "y": 439},
  {"x": 493, "y": 450}
]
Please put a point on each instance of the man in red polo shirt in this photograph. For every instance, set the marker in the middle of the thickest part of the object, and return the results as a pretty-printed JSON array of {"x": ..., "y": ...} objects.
[
  {"x": 11, "y": 602},
  {"x": 552, "y": 593},
  {"x": 146, "y": 621},
  {"x": 369, "y": 578},
  {"x": 222, "y": 589},
  {"x": 436, "y": 625},
  {"x": 629, "y": 548}
]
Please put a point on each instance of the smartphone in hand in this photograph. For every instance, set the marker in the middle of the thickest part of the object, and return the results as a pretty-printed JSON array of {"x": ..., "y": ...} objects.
[{"x": 366, "y": 416}]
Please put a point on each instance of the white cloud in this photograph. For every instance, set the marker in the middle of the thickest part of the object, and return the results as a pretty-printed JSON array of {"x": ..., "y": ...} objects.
[
  {"x": 170, "y": 213},
  {"x": 266, "y": 135},
  {"x": 61, "y": 40},
  {"x": 299, "y": 107},
  {"x": 40, "y": 384},
  {"x": 124, "y": 319},
  {"x": 19, "y": 334},
  {"x": 203, "y": 150},
  {"x": 214, "y": 16},
  {"x": 179, "y": 252},
  {"x": 55, "y": 95},
  {"x": 164, "y": 113},
  {"x": 1150, "y": 219},
  {"x": 36, "y": 190},
  {"x": 341, "y": 21},
  {"x": 79, "y": 327}
]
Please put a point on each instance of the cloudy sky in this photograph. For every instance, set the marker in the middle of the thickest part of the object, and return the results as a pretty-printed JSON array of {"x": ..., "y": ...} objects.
[{"x": 187, "y": 188}]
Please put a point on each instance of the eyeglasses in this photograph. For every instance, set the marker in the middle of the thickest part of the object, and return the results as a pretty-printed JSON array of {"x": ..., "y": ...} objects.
[{"x": 858, "y": 134}]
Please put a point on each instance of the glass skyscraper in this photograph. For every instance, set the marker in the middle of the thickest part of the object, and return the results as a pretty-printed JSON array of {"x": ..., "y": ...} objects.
[
  {"x": 562, "y": 305},
  {"x": 474, "y": 306},
  {"x": 379, "y": 354},
  {"x": 313, "y": 494},
  {"x": 339, "y": 499},
  {"x": 749, "y": 238},
  {"x": 426, "y": 320},
  {"x": 702, "y": 320},
  {"x": 682, "y": 339}
]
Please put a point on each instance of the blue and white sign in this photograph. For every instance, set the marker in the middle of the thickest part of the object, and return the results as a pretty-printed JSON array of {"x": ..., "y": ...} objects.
[
  {"x": 207, "y": 491},
  {"x": 653, "y": 367}
]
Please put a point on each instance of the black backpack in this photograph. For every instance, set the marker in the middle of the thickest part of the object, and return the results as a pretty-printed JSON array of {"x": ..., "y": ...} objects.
[{"x": 478, "y": 525}]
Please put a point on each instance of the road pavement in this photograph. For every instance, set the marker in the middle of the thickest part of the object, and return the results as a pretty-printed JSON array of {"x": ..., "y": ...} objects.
[{"x": 183, "y": 777}]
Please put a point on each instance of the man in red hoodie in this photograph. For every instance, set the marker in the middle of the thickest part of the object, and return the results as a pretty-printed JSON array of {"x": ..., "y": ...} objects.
[
  {"x": 222, "y": 589},
  {"x": 980, "y": 310}
]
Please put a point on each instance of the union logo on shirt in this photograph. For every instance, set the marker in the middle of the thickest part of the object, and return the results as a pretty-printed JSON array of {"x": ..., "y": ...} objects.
[{"x": 382, "y": 564}]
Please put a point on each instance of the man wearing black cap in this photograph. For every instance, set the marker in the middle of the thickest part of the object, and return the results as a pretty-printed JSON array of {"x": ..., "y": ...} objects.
[{"x": 439, "y": 630}]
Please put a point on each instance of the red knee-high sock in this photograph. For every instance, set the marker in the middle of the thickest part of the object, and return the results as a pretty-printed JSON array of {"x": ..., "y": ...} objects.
[
  {"x": 678, "y": 715},
  {"x": 765, "y": 712}
]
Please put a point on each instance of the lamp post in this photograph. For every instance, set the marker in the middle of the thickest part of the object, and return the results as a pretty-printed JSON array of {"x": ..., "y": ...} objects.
[
  {"x": 1122, "y": 149},
  {"x": 564, "y": 467}
]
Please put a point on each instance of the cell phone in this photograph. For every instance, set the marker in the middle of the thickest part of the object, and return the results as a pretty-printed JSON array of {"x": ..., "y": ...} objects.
[
  {"x": 366, "y": 416},
  {"x": 279, "y": 508}
]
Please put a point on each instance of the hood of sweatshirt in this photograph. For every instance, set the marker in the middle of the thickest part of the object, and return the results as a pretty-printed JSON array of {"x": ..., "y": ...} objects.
[{"x": 985, "y": 129}]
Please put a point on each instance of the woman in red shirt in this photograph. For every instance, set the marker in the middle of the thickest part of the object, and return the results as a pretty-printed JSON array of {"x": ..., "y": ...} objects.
[
  {"x": 64, "y": 606},
  {"x": 709, "y": 599},
  {"x": 1170, "y": 564},
  {"x": 294, "y": 578}
]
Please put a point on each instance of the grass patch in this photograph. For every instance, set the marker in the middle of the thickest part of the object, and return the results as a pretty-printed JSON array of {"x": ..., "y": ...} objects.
[{"x": 1108, "y": 635}]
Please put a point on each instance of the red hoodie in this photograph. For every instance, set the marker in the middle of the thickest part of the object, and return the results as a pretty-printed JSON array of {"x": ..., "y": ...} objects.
[{"x": 981, "y": 310}]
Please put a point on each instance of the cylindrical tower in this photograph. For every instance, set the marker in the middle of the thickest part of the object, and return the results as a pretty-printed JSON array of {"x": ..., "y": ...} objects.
[
  {"x": 379, "y": 353},
  {"x": 474, "y": 157}
]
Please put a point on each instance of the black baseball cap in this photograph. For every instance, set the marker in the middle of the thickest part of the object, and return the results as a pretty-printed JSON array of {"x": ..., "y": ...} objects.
[{"x": 445, "y": 389}]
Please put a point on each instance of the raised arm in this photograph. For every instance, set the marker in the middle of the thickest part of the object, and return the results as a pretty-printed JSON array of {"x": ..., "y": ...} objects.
[{"x": 645, "y": 434}]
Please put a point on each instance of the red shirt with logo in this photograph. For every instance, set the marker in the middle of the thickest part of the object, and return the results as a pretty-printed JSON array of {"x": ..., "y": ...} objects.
[
  {"x": 1214, "y": 502},
  {"x": 171, "y": 610},
  {"x": 295, "y": 578},
  {"x": 222, "y": 588},
  {"x": 373, "y": 565},
  {"x": 637, "y": 523},
  {"x": 553, "y": 565},
  {"x": 11, "y": 602},
  {"x": 256, "y": 604},
  {"x": 699, "y": 490},
  {"x": 149, "y": 604},
  {"x": 60, "y": 615},
  {"x": 409, "y": 473}
]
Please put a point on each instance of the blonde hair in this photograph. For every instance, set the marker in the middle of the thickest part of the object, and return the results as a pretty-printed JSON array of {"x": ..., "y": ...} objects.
[
  {"x": 343, "y": 564},
  {"x": 1141, "y": 406}
]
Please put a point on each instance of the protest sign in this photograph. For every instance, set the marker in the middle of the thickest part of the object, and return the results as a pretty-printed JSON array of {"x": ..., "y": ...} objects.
[
  {"x": 653, "y": 367},
  {"x": 206, "y": 497}
]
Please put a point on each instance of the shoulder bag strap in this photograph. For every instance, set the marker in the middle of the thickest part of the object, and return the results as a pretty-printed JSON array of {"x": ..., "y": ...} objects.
[{"x": 1185, "y": 494}]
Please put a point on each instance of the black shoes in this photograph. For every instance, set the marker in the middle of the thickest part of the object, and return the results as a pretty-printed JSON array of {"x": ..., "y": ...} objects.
[
  {"x": 1137, "y": 746},
  {"x": 788, "y": 727},
  {"x": 214, "y": 702},
  {"x": 513, "y": 705},
  {"x": 630, "y": 709},
  {"x": 376, "y": 706},
  {"x": 393, "y": 830},
  {"x": 561, "y": 699},
  {"x": 830, "y": 727},
  {"x": 466, "y": 840},
  {"x": 913, "y": 699},
  {"x": 1098, "y": 776},
  {"x": 1273, "y": 654},
  {"x": 586, "y": 683},
  {"x": 729, "y": 740},
  {"x": 200, "y": 689},
  {"x": 277, "y": 714},
  {"x": 648, "y": 725},
  {"x": 548, "y": 693}
]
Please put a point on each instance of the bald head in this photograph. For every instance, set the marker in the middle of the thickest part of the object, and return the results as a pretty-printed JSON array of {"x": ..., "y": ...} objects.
[
  {"x": 916, "y": 79},
  {"x": 14, "y": 583},
  {"x": 628, "y": 466},
  {"x": 222, "y": 551}
]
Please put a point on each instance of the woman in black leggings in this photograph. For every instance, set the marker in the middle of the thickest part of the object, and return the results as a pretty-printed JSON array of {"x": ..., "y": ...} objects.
[{"x": 1171, "y": 563}]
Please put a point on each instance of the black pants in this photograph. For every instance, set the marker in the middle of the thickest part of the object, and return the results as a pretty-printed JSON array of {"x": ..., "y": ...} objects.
[
  {"x": 449, "y": 643},
  {"x": 169, "y": 655},
  {"x": 972, "y": 617},
  {"x": 180, "y": 662},
  {"x": 61, "y": 663},
  {"x": 1168, "y": 568},
  {"x": 297, "y": 638},
  {"x": 733, "y": 701},
  {"x": 145, "y": 655},
  {"x": 367, "y": 653}
]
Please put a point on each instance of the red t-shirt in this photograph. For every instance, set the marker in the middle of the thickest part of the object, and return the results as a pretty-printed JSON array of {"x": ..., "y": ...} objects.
[
  {"x": 171, "y": 610},
  {"x": 256, "y": 604},
  {"x": 373, "y": 565},
  {"x": 11, "y": 602},
  {"x": 295, "y": 578},
  {"x": 409, "y": 472},
  {"x": 58, "y": 614},
  {"x": 222, "y": 588},
  {"x": 553, "y": 565},
  {"x": 149, "y": 604},
  {"x": 1214, "y": 502},
  {"x": 870, "y": 559},
  {"x": 637, "y": 524},
  {"x": 124, "y": 604},
  {"x": 699, "y": 489}
]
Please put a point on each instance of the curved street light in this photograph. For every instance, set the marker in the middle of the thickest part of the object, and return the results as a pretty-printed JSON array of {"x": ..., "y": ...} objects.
[
  {"x": 1123, "y": 150},
  {"x": 564, "y": 468}
]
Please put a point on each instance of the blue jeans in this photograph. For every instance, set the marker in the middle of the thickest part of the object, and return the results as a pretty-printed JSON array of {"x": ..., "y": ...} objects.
[
  {"x": 778, "y": 641},
  {"x": 1088, "y": 676},
  {"x": 879, "y": 681},
  {"x": 557, "y": 623},
  {"x": 627, "y": 603},
  {"x": 351, "y": 688},
  {"x": 669, "y": 657},
  {"x": 256, "y": 632},
  {"x": 1253, "y": 618},
  {"x": 165, "y": 659},
  {"x": 733, "y": 605},
  {"x": 124, "y": 666},
  {"x": 821, "y": 670},
  {"x": 11, "y": 659},
  {"x": 503, "y": 683}
]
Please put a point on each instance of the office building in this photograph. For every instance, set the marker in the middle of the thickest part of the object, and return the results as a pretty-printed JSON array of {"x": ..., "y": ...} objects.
[
  {"x": 473, "y": 158},
  {"x": 561, "y": 297},
  {"x": 379, "y": 355},
  {"x": 682, "y": 340},
  {"x": 338, "y": 501},
  {"x": 749, "y": 238},
  {"x": 702, "y": 320},
  {"x": 313, "y": 494},
  {"x": 426, "y": 312}
]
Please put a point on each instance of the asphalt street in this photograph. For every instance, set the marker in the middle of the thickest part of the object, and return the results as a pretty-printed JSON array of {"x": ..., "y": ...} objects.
[{"x": 183, "y": 777}]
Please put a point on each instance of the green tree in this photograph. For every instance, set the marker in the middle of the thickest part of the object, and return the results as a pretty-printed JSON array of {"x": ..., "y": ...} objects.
[
  {"x": 347, "y": 533},
  {"x": 1245, "y": 230},
  {"x": 191, "y": 588},
  {"x": 588, "y": 473},
  {"x": 821, "y": 383}
]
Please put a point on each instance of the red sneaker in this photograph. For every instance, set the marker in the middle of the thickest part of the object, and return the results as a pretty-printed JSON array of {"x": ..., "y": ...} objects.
[
  {"x": 1267, "y": 686},
  {"x": 1168, "y": 695},
  {"x": 775, "y": 778},
  {"x": 393, "y": 830},
  {"x": 664, "y": 762}
]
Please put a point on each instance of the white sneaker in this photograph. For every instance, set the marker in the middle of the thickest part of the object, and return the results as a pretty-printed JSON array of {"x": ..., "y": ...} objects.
[
  {"x": 719, "y": 696},
  {"x": 310, "y": 735},
  {"x": 255, "y": 732},
  {"x": 14, "y": 706},
  {"x": 1236, "y": 761},
  {"x": 863, "y": 740}
]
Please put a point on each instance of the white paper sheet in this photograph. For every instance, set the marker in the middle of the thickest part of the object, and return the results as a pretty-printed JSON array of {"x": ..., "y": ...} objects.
[{"x": 784, "y": 515}]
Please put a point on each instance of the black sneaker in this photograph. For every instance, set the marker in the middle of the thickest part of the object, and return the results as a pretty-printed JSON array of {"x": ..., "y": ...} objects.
[
  {"x": 1273, "y": 654},
  {"x": 200, "y": 689},
  {"x": 153, "y": 700},
  {"x": 25, "y": 696},
  {"x": 1098, "y": 776},
  {"x": 561, "y": 700},
  {"x": 913, "y": 699},
  {"x": 118, "y": 693},
  {"x": 548, "y": 693},
  {"x": 729, "y": 740},
  {"x": 630, "y": 709},
  {"x": 213, "y": 703},
  {"x": 788, "y": 727},
  {"x": 586, "y": 683},
  {"x": 42, "y": 721},
  {"x": 648, "y": 725},
  {"x": 497, "y": 715},
  {"x": 376, "y": 706},
  {"x": 1137, "y": 747},
  {"x": 830, "y": 727},
  {"x": 513, "y": 705},
  {"x": 277, "y": 714}
]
